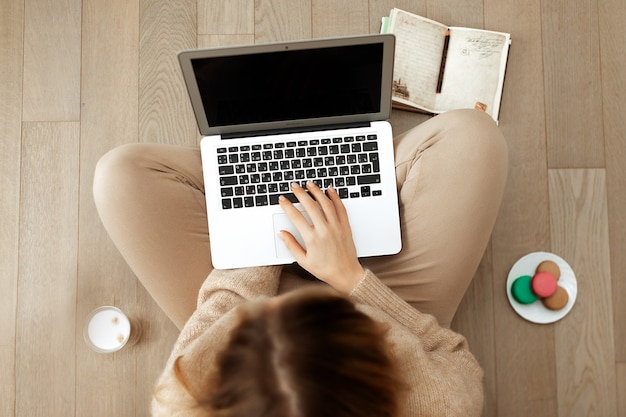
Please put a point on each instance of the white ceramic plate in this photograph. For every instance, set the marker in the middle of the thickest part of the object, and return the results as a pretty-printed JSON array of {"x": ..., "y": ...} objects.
[{"x": 536, "y": 312}]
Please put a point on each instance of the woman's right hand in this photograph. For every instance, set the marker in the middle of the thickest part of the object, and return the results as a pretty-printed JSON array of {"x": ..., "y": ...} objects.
[{"x": 330, "y": 253}]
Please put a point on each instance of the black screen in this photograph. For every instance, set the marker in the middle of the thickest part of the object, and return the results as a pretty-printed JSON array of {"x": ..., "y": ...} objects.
[{"x": 290, "y": 84}]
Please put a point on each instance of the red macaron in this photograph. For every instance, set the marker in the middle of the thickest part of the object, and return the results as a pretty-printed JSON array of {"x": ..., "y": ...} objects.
[{"x": 544, "y": 284}]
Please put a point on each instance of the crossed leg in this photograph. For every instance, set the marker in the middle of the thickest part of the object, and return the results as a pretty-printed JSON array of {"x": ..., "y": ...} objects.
[{"x": 451, "y": 172}]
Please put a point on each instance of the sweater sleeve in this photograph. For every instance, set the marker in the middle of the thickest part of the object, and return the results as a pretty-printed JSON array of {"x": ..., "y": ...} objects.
[
  {"x": 373, "y": 292},
  {"x": 221, "y": 292},
  {"x": 443, "y": 375}
]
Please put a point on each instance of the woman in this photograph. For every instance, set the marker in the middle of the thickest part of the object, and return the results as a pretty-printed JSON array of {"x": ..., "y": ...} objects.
[{"x": 377, "y": 344}]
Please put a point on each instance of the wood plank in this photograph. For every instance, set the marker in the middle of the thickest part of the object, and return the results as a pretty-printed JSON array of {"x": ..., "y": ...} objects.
[
  {"x": 525, "y": 363},
  {"x": 621, "y": 388},
  {"x": 45, "y": 337},
  {"x": 475, "y": 320},
  {"x": 282, "y": 20},
  {"x": 165, "y": 114},
  {"x": 232, "y": 17},
  {"x": 612, "y": 40},
  {"x": 380, "y": 8},
  {"x": 11, "y": 51},
  {"x": 573, "y": 83},
  {"x": 110, "y": 63},
  {"x": 52, "y": 60},
  {"x": 212, "y": 41},
  {"x": 584, "y": 339},
  {"x": 339, "y": 18},
  {"x": 467, "y": 13}
]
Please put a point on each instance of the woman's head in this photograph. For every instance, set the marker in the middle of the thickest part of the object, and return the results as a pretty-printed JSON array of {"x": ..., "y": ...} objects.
[{"x": 308, "y": 353}]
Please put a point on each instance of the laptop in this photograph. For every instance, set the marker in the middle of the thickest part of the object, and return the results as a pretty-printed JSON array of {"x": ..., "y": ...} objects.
[{"x": 274, "y": 114}]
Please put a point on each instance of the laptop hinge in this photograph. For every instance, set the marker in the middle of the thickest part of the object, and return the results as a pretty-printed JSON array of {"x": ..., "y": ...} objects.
[{"x": 295, "y": 129}]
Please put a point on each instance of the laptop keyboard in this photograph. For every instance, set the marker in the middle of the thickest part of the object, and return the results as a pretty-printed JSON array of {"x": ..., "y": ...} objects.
[{"x": 256, "y": 175}]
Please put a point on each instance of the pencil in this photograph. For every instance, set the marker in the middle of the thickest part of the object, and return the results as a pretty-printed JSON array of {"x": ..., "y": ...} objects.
[{"x": 444, "y": 56}]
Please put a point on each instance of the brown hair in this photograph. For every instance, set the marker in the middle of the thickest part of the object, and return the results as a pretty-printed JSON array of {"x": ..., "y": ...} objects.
[{"x": 314, "y": 354}]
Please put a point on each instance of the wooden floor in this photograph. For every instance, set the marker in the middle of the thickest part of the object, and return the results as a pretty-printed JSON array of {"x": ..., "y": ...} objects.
[{"x": 78, "y": 77}]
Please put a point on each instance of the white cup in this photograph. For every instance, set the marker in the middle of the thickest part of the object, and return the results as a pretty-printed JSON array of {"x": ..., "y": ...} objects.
[{"x": 108, "y": 329}]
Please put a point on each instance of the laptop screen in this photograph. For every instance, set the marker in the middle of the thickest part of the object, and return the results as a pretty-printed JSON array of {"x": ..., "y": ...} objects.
[
  {"x": 257, "y": 86},
  {"x": 290, "y": 85}
]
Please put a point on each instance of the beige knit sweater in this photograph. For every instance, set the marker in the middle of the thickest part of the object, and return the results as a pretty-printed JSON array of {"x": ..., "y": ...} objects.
[{"x": 444, "y": 378}]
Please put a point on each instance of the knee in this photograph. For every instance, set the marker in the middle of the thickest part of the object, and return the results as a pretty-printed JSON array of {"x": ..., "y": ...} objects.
[
  {"x": 476, "y": 132},
  {"x": 115, "y": 168}
]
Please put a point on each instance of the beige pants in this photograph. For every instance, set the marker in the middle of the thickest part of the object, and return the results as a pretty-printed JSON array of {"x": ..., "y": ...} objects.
[{"x": 451, "y": 172}]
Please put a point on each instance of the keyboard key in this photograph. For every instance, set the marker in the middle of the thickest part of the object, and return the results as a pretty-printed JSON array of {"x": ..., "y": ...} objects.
[
  {"x": 368, "y": 179},
  {"x": 291, "y": 197},
  {"x": 274, "y": 199},
  {"x": 225, "y": 181},
  {"x": 370, "y": 146},
  {"x": 227, "y": 203},
  {"x": 226, "y": 170}
]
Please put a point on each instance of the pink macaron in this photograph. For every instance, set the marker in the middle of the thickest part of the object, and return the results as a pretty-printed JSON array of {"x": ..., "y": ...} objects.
[{"x": 544, "y": 284}]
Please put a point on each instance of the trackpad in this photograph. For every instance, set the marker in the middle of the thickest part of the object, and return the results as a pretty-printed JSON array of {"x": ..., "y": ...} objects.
[{"x": 282, "y": 222}]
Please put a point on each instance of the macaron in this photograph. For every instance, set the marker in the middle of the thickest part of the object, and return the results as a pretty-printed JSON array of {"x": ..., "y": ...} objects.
[
  {"x": 556, "y": 301},
  {"x": 522, "y": 291},
  {"x": 543, "y": 284},
  {"x": 551, "y": 267}
]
